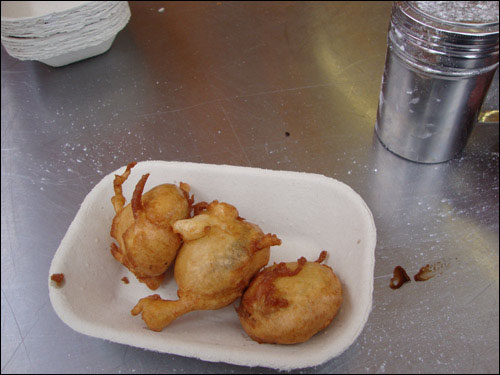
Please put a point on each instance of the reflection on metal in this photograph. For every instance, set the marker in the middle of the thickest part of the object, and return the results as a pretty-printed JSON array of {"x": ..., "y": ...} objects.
[
  {"x": 345, "y": 68},
  {"x": 488, "y": 116}
]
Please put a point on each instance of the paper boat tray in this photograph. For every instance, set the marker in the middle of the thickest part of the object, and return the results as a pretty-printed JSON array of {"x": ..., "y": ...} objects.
[{"x": 309, "y": 212}]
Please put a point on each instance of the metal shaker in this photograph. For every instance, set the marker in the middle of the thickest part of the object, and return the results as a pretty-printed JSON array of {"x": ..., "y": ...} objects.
[{"x": 437, "y": 73}]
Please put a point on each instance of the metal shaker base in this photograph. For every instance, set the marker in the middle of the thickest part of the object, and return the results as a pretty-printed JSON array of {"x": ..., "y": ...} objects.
[{"x": 402, "y": 154}]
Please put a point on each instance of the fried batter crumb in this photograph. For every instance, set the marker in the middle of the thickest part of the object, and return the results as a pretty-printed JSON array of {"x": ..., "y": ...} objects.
[
  {"x": 429, "y": 271},
  {"x": 322, "y": 256},
  {"x": 58, "y": 278},
  {"x": 400, "y": 277},
  {"x": 125, "y": 280}
]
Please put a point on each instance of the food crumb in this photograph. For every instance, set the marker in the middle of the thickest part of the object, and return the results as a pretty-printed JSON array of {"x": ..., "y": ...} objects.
[
  {"x": 161, "y": 10},
  {"x": 287, "y": 134},
  {"x": 58, "y": 278},
  {"x": 125, "y": 280},
  {"x": 400, "y": 277},
  {"x": 429, "y": 271}
]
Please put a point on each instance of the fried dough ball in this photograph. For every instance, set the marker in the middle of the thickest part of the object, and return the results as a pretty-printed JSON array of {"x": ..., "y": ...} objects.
[
  {"x": 288, "y": 303},
  {"x": 220, "y": 254},
  {"x": 143, "y": 229}
]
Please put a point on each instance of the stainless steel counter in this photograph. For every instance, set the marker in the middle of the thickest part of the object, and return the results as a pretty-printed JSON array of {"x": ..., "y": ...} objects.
[{"x": 224, "y": 83}]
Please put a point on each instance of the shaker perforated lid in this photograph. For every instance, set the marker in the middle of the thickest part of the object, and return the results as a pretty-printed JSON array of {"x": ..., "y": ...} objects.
[
  {"x": 431, "y": 38},
  {"x": 464, "y": 18},
  {"x": 464, "y": 12}
]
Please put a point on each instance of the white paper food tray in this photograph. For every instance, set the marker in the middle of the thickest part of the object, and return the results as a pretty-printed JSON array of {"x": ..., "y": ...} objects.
[
  {"x": 308, "y": 212},
  {"x": 17, "y": 11},
  {"x": 74, "y": 56},
  {"x": 60, "y": 38}
]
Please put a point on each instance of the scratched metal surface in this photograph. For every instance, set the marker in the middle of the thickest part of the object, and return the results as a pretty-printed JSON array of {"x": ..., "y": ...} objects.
[{"x": 222, "y": 83}]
